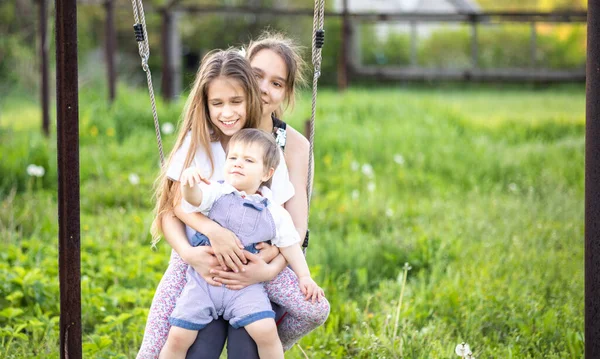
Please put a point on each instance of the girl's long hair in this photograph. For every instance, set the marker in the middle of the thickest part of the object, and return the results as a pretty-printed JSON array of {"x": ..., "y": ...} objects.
[
  {"x": 291, "y": 55},
  {"x": 196, "y": 120}
]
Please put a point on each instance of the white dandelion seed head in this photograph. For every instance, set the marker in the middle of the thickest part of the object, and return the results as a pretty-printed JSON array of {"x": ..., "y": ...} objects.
[
  {"x": 371, "y": 186},
  {"x": 355, "y": 194},
  {"x": 462, "y": 349},
  {"x": 167, "y": 128},
  {"x": 354, "y": 166},
  {"x": 513, "y": 187},
  {"x": 399, "y": 159},
  {"x": 367, "y": 170},
  {"x": 389, "y": 212},
  {"x": 35, "y": 171},
  {"x": 134, "y": 179}
]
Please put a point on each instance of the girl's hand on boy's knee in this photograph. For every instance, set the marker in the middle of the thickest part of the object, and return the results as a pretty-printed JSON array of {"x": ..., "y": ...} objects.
[
  {"x": 192, "y": 176},
  {"x": 310, "y": 289}
]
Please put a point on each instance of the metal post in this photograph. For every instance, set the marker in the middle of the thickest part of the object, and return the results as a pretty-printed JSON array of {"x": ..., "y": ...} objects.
[
  {"x": 474, "y": 42},
  {"x": 592, "y": 184},
  {"x": 110, "y": 44},
  {"x": 533, "y": 44},
  {"x": 67, "y": 109},
  {"x": 44, "y": 67}
]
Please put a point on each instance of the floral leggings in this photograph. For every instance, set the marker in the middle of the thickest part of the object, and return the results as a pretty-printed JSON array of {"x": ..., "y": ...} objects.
[{"x": 302, "y": 316}]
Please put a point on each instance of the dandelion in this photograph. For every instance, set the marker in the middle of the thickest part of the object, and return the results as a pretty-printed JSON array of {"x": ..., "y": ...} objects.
[
  {"x": 355, "y": 194},
  {"x": 513, "y": 187},
  {"x": 367, "y": 170},
  {"x": 354, "y": 166},
  {"x": 110, "y": 132},
  {"x": 399, "y": 159},
  {"x": 36, "y": 171},
  {"x": 463, "y": 350},
  {"x": 94, "y": 131},
  {"x": 134, "y": 179},
  {"x": 389, "y": 212},
  {"x": 167, "y": 128},
  {"x": 371, "y": 187}
]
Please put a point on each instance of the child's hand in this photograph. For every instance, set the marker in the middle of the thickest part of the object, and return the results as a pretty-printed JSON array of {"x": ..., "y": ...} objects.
[
  {"x": 192, "y": 176},
  {"x": 310, "y": 289}
]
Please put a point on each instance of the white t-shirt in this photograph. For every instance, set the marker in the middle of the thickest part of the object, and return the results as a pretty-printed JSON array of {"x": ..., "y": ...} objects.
[{"x": 285, "y": 231}]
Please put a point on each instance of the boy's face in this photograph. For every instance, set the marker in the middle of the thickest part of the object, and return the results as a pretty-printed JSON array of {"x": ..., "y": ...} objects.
[{"x": 244, "y": 167}]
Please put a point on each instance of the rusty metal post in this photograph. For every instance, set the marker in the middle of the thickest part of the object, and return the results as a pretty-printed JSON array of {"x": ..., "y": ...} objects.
[
  {"x": 592, "y": 184},
  {"x": 67, "y": 110},
  {"x": 110, "y": 45},
  {"x": 44, "y": 67},
  {"x": 171, "y": 54}
]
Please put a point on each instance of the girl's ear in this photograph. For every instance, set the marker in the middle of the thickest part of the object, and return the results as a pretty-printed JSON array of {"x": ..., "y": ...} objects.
[{"x": 268, "y": 174}]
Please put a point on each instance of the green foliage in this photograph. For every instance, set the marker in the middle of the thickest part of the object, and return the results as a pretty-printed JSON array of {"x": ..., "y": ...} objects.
[{"x": 479, "y": 189}]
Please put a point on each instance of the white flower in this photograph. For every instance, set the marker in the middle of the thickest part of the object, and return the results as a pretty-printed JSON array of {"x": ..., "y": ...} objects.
[
  {"x": 355, "y": 194},
  {"x": 462, "y": 349},
  {"x": 399, "y": 159},
  {"x": 389, "y": 212},
  {"x": 167, "y": 128},
  {"x": 367, "y": 170},
  {"x": 36, "y": 171},
  {"x": 134, "y": 179},
  {"x": 354, "y": 166},
  {"x": 371, "y": 186},
  {"x": 513, "y": 187}
]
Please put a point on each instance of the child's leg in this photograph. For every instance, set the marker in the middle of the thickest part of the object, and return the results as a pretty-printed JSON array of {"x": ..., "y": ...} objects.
[
  {"x": 264, "y": 333},
  {"x": 157, "y": 325},
  {"x": 178, "y": 343},
  {"x": 302, "y": 315}
]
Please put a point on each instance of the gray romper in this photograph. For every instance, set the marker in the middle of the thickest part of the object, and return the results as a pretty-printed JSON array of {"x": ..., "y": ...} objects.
[{"x": 200, "y": 303}]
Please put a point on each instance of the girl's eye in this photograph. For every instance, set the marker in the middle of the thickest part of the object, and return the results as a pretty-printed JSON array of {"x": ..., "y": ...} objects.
[
  {"x": 216, "y": 103},
  {"x": 249, "y": 160},
  {"x": 277, "y": 84}
]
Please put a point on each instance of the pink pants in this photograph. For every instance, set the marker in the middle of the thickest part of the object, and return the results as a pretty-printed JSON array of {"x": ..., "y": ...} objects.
[{"x": 302, "y": 316}]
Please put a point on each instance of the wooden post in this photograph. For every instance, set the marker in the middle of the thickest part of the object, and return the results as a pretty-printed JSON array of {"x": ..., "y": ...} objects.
[
  {"x": 474, "y": 42},
  {"x": 413, "y": 43},
  {"x": 344, "y": 51},
  {"x": 171, "y": 54},
  {"x": 592, "y": 184},
  {"x": 45, "y": 83},
  {"x": 110, "y": 45},
  {"x": 67, "y": 110},
  {"x": 533, "y": 44}
]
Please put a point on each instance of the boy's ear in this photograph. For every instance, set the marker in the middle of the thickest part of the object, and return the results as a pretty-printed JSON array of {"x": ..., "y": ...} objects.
[{"x": 268, "y": 174}]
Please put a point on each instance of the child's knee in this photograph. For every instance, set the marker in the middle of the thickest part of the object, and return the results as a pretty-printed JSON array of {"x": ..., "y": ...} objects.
[
  {"x": 263, "y": 331},
  {"x": 181, "y": 339}
]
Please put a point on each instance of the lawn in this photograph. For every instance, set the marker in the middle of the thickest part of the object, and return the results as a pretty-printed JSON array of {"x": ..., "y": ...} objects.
[{"x": 479, "y": 190}]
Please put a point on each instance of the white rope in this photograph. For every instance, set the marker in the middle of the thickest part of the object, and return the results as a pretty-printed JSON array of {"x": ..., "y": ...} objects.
[{"x": 144, "y": 50}]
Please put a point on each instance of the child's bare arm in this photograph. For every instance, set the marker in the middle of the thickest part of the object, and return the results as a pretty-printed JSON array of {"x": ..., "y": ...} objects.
[
  {"x": 294, "y": 256},
  {"x": 190, "y": 192}
]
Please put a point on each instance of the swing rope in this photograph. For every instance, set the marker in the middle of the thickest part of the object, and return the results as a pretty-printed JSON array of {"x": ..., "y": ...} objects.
[
  {"x": 318, "y": 39},
  {"x": 317, "y": 44},
  {"x": 144, "y": 49}
]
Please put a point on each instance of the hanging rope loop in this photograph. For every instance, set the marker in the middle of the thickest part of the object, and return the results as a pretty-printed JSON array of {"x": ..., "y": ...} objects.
[{"x": 141, "y": 36}]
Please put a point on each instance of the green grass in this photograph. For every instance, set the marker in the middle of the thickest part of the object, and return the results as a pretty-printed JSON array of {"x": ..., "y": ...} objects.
[{"x": 479, "y": 189}]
